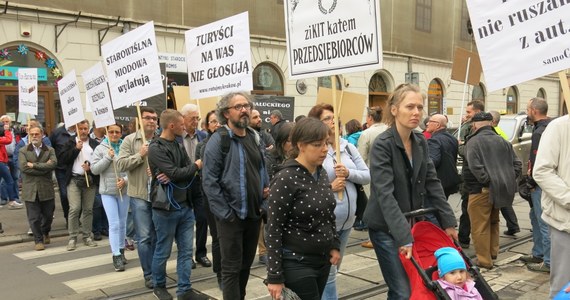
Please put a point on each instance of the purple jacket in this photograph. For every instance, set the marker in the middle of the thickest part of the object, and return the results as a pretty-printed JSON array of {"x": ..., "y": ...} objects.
[{"x": 457, "y": 293}]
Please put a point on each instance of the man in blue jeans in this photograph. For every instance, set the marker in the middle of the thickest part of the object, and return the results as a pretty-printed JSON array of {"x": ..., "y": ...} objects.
[
  {"x": 133, "y": 160},
  {"x": 172, "y": 212},
  {"x": 539, "y": 259}
]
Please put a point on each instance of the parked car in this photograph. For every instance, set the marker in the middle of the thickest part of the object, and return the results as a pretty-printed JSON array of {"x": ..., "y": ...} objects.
[{"x": 519, "y": 133}]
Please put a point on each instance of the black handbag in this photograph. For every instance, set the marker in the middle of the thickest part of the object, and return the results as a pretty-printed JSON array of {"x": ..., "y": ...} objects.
[
  {"x": 81, "y": 181},
  {"x": 361, "y": 201},
  {"x": 159, "y": 197}
]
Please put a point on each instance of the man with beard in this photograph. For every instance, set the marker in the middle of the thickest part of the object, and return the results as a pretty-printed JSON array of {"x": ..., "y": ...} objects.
[
  {"x": 255, "y": 123},
  {"x": 235, "y": 181}
]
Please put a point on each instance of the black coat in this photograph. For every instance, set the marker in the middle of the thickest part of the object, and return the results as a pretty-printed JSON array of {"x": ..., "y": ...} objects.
[
  {"x": 68, "y": 155},
  {"x": 397, "y": 187},
  {"x": 443, "y": 152}
]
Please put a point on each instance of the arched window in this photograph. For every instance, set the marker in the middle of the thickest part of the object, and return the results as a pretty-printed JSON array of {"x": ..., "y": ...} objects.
[
  {"x": 435, "y": 97},
  {"x": 325, "y": 81},
  {"x": 541, "y": 93},
  {"x": 267, "y": 80},
  {"x": 378, "y": 88},
  {"x": 478, "y": 93},
  {"x": 512, "y": 100}
]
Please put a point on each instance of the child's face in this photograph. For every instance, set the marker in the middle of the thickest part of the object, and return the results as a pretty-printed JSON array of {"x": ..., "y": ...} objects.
[{"x": 456, "y": 277}]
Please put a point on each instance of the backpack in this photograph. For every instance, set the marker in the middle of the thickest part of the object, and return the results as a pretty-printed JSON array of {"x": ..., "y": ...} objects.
[{"x": 226, "y": 136}]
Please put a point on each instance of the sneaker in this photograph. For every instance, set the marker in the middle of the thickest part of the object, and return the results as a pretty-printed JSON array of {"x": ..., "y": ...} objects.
[
  {"x": 3, "y": 202},
  {"x": 47, "y": 239},
  {"x": 193, "y": 264},
  {"x": 118, "y": 263},
  {"x": 125, "y": 261},
  {"x": 39, "y": 246},
  {"x": 71, "y": 245},
  {"x": 531, "y": 259},
  {"x": 97, "y": 236},
  {"x": 263, "y": 259},
  {"x": 464, "y": 245},
  {"x": 192, "y": 295},
  {"x": 161, "y": 293},
  {"x": 30, "y": 233},
  {"x": 15, "y": 205},
  {"x": 367, "y": 244},
  {"x": 540, "y": 267},
  {"x": 89, "y": 242},
  {"x": 148, "y": 283}
]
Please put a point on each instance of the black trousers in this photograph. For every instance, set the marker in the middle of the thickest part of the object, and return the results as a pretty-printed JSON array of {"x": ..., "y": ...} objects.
[
  {"x": 60, "y": 176},
  {"x": 216, "y": 255},
  {"x": 238, "y": 243},
  {"x": 464, "y": 222},
  {"x": 201, "y": 227},
  {"x": 511, "y": 218},
  {"x": 40, "y": 217},
  {"x": 306, "y": 274}
]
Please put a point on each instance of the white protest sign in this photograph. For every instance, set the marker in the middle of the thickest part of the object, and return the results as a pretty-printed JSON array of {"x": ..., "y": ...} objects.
[
  {"x": 520, "y": 40},
  {"x": 70, "y": 99},
  {"x": 97, "y": 93},
  {"x": 174, "y": 62},
  {"x": 28, "y": 91},
  {"x": 132, "y": 66},
  {"x": 332, "y": 37},
  {"x": 219, "y": 57}
]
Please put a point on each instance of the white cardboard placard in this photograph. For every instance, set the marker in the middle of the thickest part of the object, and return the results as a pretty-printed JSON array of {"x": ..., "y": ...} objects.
[
  {"x": 28, "y": 91},
  {"x": 97, "y": 93},
  {"x": 70, "y": 99}
]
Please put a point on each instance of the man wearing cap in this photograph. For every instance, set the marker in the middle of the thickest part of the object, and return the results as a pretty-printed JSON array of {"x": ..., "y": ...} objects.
[{"x": 491, "y": 181}]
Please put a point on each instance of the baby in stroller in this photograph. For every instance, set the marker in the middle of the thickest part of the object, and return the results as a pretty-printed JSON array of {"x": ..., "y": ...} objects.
[{"x": 454, "y": 278}]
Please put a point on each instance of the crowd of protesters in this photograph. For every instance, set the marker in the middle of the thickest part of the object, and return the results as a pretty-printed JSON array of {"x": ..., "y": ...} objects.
[{"x": 289, "y": 193}]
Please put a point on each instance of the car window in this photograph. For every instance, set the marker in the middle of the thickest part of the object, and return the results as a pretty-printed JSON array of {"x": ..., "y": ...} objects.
[{"x": 509, "y": 127}]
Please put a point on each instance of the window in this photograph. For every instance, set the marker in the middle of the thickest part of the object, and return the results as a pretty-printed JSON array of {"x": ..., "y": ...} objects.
[
  {"x": 478, "y": 92},
  {"x": 423, "y": 15},
  {"x": 465, "y": 23},
  {"x": 267, "y": 80},
  {"x": 377, "y": 84},
  {"x": 325, "y": 81},
  {"x": 435, "y": 97},
  {"x": 512, "y": 100},
  {"x": 541, "y": 93}
]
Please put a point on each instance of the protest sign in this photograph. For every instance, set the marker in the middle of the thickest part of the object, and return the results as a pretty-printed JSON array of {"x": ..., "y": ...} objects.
[
  {"x": 265, "y": 104},
  {"x": 125, "y": 114},
  {"x": 97, "y": 93},
  {"x": 352, "y": 106},
  {"x": 332, "y": 37},
  {"x": 182, "y": 97},
  {"x": 219, "y": 57},
  {"x": 28, "y": 91},
  {"x": 459, "y": 68},
  {"x": 174, "y": 62},
  {"x": 132, "y": 66},
  {"x": 520, "y": 40},
  {"x": 70, "y": 99}
]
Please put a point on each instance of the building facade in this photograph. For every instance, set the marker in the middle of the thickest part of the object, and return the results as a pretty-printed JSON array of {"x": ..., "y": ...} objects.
[{"x": 419, "y": 38}]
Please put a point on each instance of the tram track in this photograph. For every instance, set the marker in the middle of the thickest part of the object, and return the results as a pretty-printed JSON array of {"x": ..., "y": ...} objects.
[{"x": 367, "y": 292}]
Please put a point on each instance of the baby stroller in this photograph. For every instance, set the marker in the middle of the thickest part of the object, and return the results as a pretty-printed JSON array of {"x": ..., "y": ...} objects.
[{"x": 422, "y": 267}]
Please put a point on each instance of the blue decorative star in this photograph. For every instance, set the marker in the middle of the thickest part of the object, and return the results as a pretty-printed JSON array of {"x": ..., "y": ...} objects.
[
  {"x": 23, "y": 49},
  {"x": 50, "y": 63}
]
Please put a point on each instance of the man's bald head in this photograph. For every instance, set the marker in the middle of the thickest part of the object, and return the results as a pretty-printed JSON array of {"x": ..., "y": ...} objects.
[{"x": 436, "y": 122}]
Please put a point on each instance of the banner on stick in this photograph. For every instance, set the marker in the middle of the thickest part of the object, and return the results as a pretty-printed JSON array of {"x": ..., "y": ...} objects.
[
  {"x": 97, "y": 93},
  {"x": 70, "y": 99},
  {"x": 219, "y": 57},
  {"x": 520, "y": 40},
  {"x": 132, "y": 66},
  {"x": 332, "y": 37},
  {"x": 28, "y": 91}
]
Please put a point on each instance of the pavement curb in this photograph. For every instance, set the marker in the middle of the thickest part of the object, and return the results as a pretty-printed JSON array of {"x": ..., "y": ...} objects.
[{"x": 6, "y": 240}]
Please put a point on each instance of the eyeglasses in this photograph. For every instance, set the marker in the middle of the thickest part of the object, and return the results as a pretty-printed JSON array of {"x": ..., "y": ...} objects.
[
  {"x": 195, "y": 118},
  {"x": 114, "y": 132},
  {"x": 213, "y": 122},
  {"x": 240, "y": 107},
  {"x": 327, "y": 119},
  {"x": 151, "y": 118}
]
